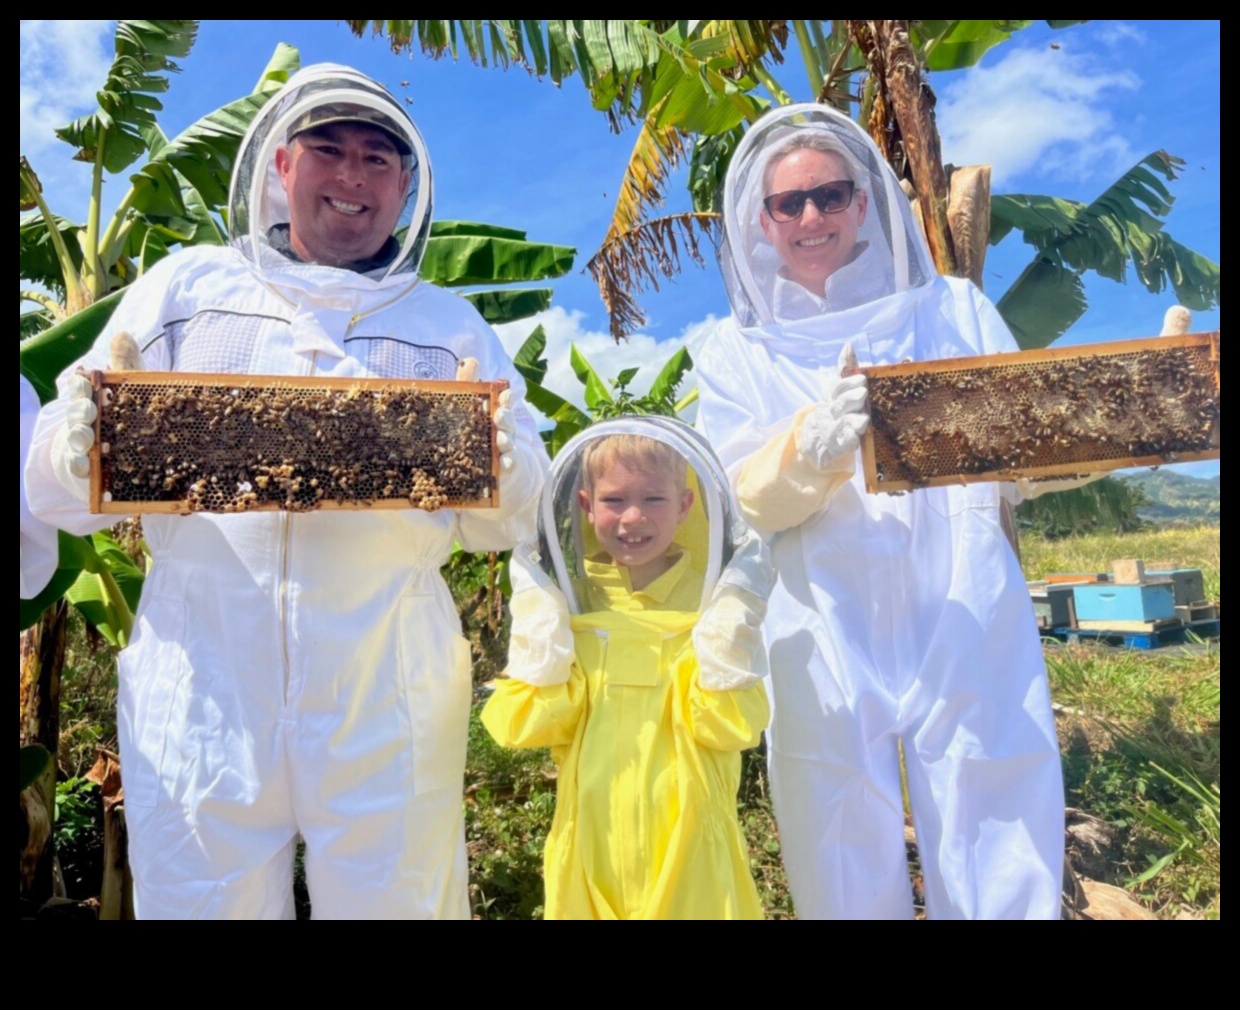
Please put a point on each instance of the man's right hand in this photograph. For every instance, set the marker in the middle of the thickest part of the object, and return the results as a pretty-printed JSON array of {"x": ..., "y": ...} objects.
[
  {"x": 71, "y": 444},
  {"x": 832, "y": 431}
]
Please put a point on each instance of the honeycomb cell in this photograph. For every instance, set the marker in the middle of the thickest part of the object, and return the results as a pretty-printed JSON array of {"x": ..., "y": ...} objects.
[
  {"x": 172, "y": 442},
  {"x": 1026, "y": 414}
]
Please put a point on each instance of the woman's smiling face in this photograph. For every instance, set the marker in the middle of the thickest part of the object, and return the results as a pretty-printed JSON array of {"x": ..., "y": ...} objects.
[{"x": 814, "y": 245}]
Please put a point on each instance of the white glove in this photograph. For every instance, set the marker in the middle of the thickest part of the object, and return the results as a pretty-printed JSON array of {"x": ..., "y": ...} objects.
[
  {"x": 506, "y": 435},
  {"x": 832, "y": 431},
  {"x": 727, "y": 638},
  {"x": 540, "y": 648},
  {"x": 72, "y": 442}
]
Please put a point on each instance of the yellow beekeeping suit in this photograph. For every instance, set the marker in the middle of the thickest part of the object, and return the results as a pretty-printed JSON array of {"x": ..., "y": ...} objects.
[{"x": 645, "y": 823}]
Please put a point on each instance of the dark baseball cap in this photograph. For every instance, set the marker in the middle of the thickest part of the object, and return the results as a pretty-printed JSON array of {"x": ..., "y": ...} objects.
[{"x": 324, "y": 115}]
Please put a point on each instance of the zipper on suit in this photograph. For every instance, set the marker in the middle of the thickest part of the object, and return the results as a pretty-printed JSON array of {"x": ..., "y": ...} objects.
[{"x": 285, "y": 552}]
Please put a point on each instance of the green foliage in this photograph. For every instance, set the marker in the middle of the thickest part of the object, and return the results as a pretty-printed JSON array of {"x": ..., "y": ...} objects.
[
  {"x": 691, "y": 73},
  {"x": 1121, "y": 228},
  {"x": 465, "y": 252},
  {"x": 34, "y": 759},
  {"x": 604, "y": 398},
  {"x": 460, "y": 253},
  {"x": 101, "y": 581},
  {"x": 509, "y": 808},
  {"x": 145, "y": 51},
  {"x": 954, "y": 45},
  {"x": 43, "y": 357},
  {"x": 78, "y": 810},
  {"x": 1107, "y": 505}
]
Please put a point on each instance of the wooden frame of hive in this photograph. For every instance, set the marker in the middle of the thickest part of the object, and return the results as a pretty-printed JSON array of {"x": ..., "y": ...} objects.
[
  {"x": 273, "y": 385},
  {"x": 884, "y": 471}
]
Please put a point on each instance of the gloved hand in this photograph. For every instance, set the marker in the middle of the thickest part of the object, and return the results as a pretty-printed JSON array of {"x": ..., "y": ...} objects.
[
  {"x": 727, "y": 638},
  {"x": 506, "y": 435},
  {"x": 72, "y": 443},
  {"x": 540, "y": 648},
  {"x": 832, "y": 431}
]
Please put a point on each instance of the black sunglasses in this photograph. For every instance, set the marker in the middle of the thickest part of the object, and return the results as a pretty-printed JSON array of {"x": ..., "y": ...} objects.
[{"x": 829, "y": 198}]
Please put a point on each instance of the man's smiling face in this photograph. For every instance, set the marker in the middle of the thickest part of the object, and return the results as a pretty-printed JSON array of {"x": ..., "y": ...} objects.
[
  {"x": 815, "y": 245},
  {"x": 346, "y": 188}
]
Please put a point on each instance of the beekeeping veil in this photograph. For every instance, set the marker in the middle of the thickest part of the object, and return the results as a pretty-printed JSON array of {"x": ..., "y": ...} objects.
[
  {"x": 727, "y": 560},
  {"x": 891, "y": 257},
  {"x": 257, "y": 200},
  {"x": 708, "y": 535}
]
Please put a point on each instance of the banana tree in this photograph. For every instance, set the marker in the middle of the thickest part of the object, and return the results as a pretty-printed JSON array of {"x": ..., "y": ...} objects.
[
  {"x": 879, "y": 69},
  {"x": 1122, "y": 228},
  {"x": 173, "y": 199}
]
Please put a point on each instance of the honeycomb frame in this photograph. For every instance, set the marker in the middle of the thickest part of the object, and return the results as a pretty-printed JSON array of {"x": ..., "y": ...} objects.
[
  {"x": 277, "y": 460},
  {"x": 1047, "y": 413}
]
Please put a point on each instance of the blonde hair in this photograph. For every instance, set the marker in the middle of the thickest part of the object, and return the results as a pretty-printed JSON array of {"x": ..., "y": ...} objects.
[
  {"x": 635, "y": 452},
  {"x": 822, "y": 142}
]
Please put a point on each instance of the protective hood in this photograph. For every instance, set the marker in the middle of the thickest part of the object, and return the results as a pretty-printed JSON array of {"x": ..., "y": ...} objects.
[
  {"x": 315, "y": 96},
  {"x": 709, "y": 535},
  {"x": 889, "y": 259}
]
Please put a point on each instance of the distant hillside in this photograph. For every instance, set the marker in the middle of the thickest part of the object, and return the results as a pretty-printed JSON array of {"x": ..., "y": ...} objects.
[{"x": 1176, "y": 499}]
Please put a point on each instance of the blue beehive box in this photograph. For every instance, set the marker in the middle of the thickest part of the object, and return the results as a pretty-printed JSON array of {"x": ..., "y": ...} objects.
[
  {"x": 1152, "y": 601},
  {"x": 1188, "y": 582}
]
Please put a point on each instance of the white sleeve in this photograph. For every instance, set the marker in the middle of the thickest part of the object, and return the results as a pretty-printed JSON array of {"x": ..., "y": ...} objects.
[
  {"x": 38, "y": 553},
  {"x": 516, "y": 518}
]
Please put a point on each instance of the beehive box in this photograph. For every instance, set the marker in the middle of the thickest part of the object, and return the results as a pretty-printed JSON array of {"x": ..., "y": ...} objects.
[
  {"x": 176, "y": 442},
  {"x": 1043, "y": 413},
  {"x": 1111, "y": 606},
  {"x": 1188, "y": 584},
  {"x": 1053, "y": 605}
]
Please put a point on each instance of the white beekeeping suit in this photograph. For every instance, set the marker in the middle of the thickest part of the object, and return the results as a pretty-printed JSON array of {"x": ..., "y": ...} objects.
[
  {"x": 895, "y": 618},
  {"x": 302, "y": 674}
]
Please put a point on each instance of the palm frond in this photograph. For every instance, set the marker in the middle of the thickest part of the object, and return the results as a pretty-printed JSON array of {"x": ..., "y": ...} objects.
[
  {"x": 635, "y": 259},
  {"x": 657, "y": 151}
]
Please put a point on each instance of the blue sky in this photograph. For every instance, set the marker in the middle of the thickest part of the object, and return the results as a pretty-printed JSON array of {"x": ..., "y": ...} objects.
[{"x": 1061, "y": 113}]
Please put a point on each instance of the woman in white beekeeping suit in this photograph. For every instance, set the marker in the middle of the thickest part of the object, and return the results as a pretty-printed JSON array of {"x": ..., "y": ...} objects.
[
  {"x": 896, "y": 619},
  {"x": 300, "y": 674}
]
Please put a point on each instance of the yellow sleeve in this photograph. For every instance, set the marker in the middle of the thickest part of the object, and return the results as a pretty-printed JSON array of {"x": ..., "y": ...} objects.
[
  {"x": 778, "y": 488},
  {"x": 524, "y": 715},
  {"x": 722, "y": 720}
]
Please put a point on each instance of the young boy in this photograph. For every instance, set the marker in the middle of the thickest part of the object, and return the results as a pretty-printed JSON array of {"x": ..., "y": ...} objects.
[{"x": 648, "y": 692}]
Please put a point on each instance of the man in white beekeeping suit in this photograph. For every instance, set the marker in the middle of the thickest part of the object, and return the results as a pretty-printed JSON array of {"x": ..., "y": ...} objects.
[
  {"x": 301, "y": 674},
  {"x": 895, "y": 618}
]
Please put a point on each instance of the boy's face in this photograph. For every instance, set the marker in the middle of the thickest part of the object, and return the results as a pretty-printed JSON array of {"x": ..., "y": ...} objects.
[{"x": 635, "y": 515}]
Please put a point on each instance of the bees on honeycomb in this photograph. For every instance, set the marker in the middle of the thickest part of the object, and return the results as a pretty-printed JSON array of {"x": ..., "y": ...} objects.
[
  {"x": 1005, "y": 419},
  {"x": 223, "y": 449}
]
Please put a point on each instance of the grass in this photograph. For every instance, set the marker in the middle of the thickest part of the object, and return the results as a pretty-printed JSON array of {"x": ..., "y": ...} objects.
[{"x": 1141, "y": 732}]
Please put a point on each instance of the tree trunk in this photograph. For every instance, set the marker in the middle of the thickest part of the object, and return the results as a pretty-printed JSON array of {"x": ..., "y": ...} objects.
[{"x": 42, "y": 652}]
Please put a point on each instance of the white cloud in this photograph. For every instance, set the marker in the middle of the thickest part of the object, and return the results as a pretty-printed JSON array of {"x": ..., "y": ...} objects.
[
  {"x": 62, "y": 65},
  {"x": 564, "y": 328},
  {"x": 1045, "y": 110},
  {"x": 1119, "y": 33}
]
